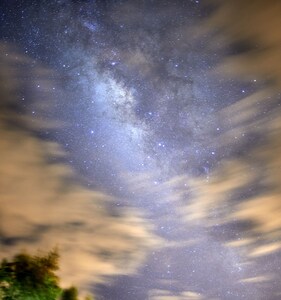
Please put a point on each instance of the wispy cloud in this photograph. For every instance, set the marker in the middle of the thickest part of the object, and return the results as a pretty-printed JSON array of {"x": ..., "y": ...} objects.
[
  {"x": 257, "y": 33},
  {"x": 42, "y": 205}
]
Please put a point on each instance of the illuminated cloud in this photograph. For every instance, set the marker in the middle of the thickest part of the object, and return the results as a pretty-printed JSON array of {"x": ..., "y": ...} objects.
[
  {"x": 151, "y": 122},
  {"x": 42, "y": 206},
  {"x": 219, "y": 198},
  {"x": 257, "y": 33},
  {"x": 212, "y": 194},
  {"x": 244, "y": 188},
  {"x": 167, "y": 295},
  {"x": 265, "y": 249},
  {"x": 257, "y": 279}
]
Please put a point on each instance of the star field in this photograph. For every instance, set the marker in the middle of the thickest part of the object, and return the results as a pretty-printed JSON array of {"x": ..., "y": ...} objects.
[{"x": 143, "y": 100}]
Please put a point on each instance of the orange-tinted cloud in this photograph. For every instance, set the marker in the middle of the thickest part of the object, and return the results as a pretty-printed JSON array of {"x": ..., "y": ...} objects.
[
  {"x": 41, "y": 205},
  {"x": 253, "y": 26}
]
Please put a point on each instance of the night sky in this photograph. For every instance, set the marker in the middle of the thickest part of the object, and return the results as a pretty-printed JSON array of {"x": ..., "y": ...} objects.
[{"x": 143, "y": 138}]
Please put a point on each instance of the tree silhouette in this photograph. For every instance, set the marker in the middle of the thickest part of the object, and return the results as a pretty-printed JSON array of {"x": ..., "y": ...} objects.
[
  {"x": 29, "y": 277},
  {"x": 70, "y": 294}
]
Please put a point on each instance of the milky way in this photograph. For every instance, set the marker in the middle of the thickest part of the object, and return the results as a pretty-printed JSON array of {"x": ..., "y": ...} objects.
[{"x": 141, "y": 97}]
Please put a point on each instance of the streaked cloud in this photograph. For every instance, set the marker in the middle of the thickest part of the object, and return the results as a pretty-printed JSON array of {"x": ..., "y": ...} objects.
[
  {"x": 257, "y": 34},
  {"x": 257, "y": 279},
  {"x": 42, "y": 206},
  {"x": 167, "y": 295},
  {"x": 265, "y": 249}
]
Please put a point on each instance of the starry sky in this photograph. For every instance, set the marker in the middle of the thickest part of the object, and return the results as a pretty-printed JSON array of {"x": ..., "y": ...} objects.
[{"x": 143, "y": 139}]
